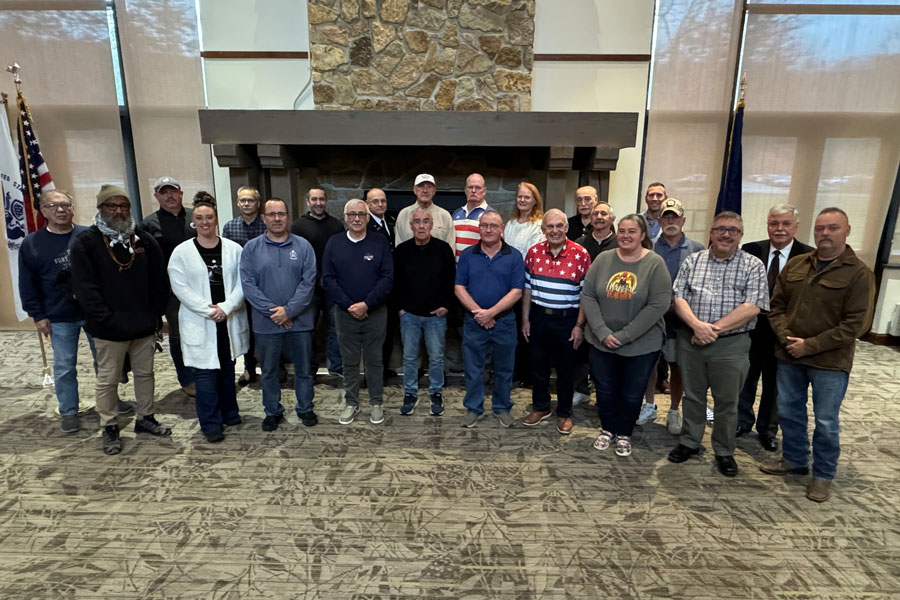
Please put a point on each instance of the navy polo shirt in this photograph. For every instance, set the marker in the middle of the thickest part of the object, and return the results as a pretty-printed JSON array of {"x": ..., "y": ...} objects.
[{"x": 489, "y": 279}]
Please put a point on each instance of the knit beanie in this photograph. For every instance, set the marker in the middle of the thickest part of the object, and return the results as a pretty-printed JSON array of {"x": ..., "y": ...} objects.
[{"x": 107, "y": 191}]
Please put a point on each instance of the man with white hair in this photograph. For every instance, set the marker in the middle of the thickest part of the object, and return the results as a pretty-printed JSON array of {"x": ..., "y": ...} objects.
[
  {"x": 357, "y": 274},
  {"x": 442, "y": 227},
  {"x": 775, "y": 252},
  {"x": 552, "y": 317}
]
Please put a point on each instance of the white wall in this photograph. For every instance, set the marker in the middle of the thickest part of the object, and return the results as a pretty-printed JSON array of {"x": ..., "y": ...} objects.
[
  {"x": 253, "y": 25},
  {"x": 888, "y": 296},
  {"x": 596, "y": 27}
]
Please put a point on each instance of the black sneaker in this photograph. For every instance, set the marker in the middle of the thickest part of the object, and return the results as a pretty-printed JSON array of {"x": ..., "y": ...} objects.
[
  {"x": 148, "y": 424},
  {"x": 233, "y": 422},
  {"x": 215, "y": 436},
  {"x": 111, "y": 442},
  {"x": 437, "y": 404},
  {"x": 309, "y": 418},
  {"x": 409, "y": 404},
  {"x": 271, "y": 422}
]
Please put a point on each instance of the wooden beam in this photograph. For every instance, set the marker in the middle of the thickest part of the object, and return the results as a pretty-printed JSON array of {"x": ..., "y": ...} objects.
[
  {"x": 592, "y": 58},
  {"x": 250, "y": 54},
  {"x": 418, "y": 128}
]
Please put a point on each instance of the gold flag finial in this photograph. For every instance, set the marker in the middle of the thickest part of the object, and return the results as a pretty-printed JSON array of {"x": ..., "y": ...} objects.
[{"x": 742, "y": 89}]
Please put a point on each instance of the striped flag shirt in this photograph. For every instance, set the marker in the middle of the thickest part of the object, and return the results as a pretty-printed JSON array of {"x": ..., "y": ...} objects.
[
  {"x": 466, "y": 226},
  {"x": 556, "y": 281}
]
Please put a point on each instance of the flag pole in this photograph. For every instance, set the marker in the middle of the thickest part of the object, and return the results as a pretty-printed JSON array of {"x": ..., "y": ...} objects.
[{"x": 46, "y": 373}]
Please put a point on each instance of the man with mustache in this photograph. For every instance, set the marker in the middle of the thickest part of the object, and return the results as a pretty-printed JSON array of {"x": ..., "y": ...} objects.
[
  {"x": 823, "y": 301},
  {"x": 119, "y": 279},
  {"x": 775, "y": 252}
]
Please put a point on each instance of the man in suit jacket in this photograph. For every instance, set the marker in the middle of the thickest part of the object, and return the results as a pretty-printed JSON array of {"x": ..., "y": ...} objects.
[
  {"x": 383, "y": 224},
  {"x": 774, "y": 252}
]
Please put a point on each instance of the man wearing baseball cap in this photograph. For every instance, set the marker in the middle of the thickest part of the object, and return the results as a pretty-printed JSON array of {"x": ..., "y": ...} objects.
[
  {"x": 674, "y": 247},
  {"x": 442, "y": 228},
  {"x": 170, "y": 226}
]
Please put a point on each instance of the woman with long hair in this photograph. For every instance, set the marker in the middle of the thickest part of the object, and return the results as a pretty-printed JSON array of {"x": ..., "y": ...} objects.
[
  {"x": 626, "y": 293},
  {"x": 523, "y": 230}
]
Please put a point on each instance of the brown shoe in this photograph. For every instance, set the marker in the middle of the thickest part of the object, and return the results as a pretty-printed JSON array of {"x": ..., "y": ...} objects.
[
  {"x": 535, "y": 417},
  {"x": 564, "y": 425},
  {"x": 819, "y": 490}
]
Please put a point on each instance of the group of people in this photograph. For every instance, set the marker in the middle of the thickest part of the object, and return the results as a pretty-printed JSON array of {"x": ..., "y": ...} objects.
[{"x": 523, "y": 296}]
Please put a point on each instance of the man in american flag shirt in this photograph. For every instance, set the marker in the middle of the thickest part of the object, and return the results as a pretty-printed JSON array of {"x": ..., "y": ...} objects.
[{"x": 552, "y": 317}]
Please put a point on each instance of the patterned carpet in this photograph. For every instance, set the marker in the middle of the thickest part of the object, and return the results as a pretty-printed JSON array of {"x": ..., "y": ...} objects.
[{"x": 421, "y": 508}]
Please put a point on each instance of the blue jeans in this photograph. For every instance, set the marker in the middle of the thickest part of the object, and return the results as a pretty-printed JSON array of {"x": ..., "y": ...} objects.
[
  {"x": 477, "y": 343},
  {"x": 64, "y": 341},
  {"x": 332, "y": 348},
  {"x": 216, "y": 400},
  {"x": 412, "y": 328},
  {"x": 298, "y": 345},
  {"x": 828, "y": 389},
  {"x": 621, "y": 382}
]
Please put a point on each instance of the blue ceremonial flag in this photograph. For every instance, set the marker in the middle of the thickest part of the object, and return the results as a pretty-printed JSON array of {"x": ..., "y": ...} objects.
[{"x": 730, "y": 190}]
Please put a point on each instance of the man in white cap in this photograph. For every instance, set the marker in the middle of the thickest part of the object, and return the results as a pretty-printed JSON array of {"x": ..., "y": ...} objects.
[
  {"x": 170, "y": 226},
  {"x": 442, "y": 222}
]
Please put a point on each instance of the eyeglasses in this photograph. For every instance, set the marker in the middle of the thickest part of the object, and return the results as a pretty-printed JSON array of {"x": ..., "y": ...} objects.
[
  {"x": 355, "y": 215},
  {"x": 57, "y": 206},
  {"x": 246, "y": 200},
  {"x": 112, "y": 206},
  {"x": 276, "y": 215},
  {"x": 490, "y": 226},
  {"x": 728, "y": 230}
]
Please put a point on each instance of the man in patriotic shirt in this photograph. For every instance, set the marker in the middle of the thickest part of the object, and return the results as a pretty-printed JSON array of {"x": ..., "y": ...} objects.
[
  {"x": 465, "y": 218},
  {"x": 552, "y": 317}
]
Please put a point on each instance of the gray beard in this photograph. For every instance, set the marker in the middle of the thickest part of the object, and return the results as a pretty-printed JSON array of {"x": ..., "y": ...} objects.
[{"x": 116, "y": 224}]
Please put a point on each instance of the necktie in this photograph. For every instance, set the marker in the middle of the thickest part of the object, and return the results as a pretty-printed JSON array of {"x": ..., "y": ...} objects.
[
  {"x": 773, "y": 271},
  {"x": 386, "y": 230}
]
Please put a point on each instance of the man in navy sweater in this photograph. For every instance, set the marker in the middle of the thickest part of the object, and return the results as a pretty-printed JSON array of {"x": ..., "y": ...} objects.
[
  {"x": 357, "y": 274},
  {"x": 45, "y": 286}
]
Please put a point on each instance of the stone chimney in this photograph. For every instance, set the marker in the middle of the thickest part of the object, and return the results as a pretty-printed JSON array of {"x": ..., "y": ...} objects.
[{"x": 465, "y": 55}]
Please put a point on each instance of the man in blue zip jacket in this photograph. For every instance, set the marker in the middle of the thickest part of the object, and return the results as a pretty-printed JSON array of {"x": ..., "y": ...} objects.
[{"x": 278, "y": 274}]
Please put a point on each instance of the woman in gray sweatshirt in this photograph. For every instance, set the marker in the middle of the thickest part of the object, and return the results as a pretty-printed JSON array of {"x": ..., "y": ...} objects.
[{"x": 626, "y": 293}]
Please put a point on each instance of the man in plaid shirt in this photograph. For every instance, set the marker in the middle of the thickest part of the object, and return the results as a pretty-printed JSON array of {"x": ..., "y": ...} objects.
[
  {"x": 242, "y": 229},
  {"x": 718, "y": 293}
]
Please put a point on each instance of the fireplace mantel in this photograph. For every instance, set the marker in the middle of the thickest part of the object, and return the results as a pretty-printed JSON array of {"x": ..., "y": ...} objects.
[{"x": 280, "y": 151}]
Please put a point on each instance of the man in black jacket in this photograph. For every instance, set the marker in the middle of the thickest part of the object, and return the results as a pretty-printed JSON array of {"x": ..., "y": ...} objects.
[
  {"x": 316, "y": 227},
  {"x": 781, "y": 246},
  {"x": 170, "y": 226},
  {"x": 119, "y": 279}
]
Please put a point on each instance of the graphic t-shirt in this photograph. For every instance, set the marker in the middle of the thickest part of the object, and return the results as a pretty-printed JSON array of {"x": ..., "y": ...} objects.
[{"x": 213, "y": 259}]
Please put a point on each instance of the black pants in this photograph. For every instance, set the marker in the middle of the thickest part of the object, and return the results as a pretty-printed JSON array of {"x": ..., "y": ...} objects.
[
  {"x": 550, "y": 347},
  {"x": 250, "y": 358},
  {"x": 762, "y": 364}
]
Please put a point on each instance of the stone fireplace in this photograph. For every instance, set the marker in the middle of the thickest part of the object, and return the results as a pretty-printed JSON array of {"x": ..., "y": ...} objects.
[{"x": 283, "y": 153}]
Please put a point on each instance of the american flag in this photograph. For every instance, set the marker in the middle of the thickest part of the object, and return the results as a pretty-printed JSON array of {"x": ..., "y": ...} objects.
[{"x": 34, "y": 172}]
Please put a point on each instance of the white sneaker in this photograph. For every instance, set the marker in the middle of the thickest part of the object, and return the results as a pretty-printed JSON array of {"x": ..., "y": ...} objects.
[
  {"x": 579, "y": 398},
  {"x": 348, "y": 414},
  {"x": 648, "y": 414},
  {"x": 709, "y": 415},
  {"x": 376, "y": 417},
  {"x": 673, "y": 422}
]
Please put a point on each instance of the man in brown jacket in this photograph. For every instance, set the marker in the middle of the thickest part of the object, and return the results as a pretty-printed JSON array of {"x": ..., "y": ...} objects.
[{"x": 823, "y": 301}]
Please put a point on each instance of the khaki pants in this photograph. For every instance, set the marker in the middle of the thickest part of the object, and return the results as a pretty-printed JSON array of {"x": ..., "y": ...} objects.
[{"x": 110, "y": 357}]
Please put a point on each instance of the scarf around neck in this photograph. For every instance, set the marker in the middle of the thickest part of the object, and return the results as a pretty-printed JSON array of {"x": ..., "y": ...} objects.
[{"x": 114, "y": 236}]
